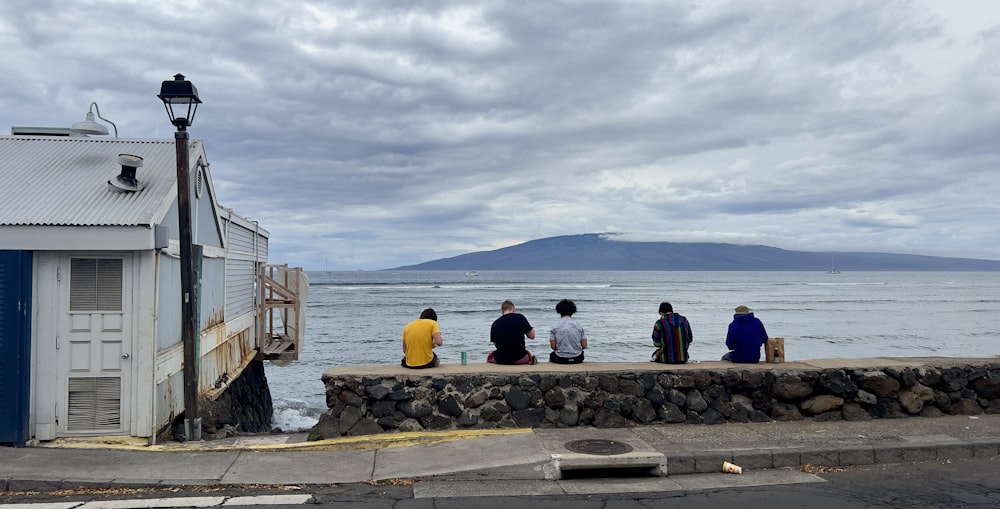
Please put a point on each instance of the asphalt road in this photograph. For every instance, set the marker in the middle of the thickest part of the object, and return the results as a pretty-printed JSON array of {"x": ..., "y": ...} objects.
[{"x": 955, "y": 484}]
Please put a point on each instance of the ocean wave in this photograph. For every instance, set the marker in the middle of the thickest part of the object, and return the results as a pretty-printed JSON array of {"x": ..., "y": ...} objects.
[
  {"x": 451, "y": 285},
  {"x": 295, "y": 415},
  {"x": 859, "y": 283}
]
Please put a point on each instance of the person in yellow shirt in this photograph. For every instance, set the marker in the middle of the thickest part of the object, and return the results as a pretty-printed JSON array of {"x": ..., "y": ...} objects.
[{"x": 419, "y": 339}]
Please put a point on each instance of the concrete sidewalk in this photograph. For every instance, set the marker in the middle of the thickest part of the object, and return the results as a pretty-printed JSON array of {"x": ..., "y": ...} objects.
[{"x": 539, "y": 456}]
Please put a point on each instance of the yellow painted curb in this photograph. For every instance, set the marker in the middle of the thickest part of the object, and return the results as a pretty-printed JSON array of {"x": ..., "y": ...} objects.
[{"x": 365, "y": 442}]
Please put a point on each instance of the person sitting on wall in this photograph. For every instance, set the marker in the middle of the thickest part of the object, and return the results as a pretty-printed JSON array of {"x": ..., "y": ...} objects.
[
  {"x": 507, "y": 333},
  {"x": 419, "y": 339},
  {"x": 745, "y": 337},
  {"x": 671, "y": 336},
  {"x": 566, "y": 337}
]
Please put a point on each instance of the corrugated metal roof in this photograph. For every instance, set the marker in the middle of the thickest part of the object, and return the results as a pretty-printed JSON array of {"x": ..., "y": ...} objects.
[{"x": 64, "y": 181}]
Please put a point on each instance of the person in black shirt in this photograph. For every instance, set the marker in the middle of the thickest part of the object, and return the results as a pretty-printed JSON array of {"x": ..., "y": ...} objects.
[{"x": 507, "y": 334}]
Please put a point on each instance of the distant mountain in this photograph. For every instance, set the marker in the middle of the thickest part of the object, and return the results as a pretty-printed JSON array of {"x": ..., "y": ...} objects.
[{"x": 595, "y": 251}]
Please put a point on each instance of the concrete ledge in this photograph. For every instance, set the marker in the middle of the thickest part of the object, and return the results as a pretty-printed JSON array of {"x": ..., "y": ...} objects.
[
  {"x": 530, "y": 455},
  {"x": 655, "y": 461},
  {"x": 985, "y": 448},
  {"x": 709, "y": 462},
  {"x": 41, "y": 484},
  {"x": 142, "y": 483},
  {"x": 633, "y": 367},
  {"x": 960, "y": 451},
  {"x": 889, "y": 454},
  {"x": 753, "y": 460},
  {"x": 785, "y": 458},
  {"x": 819, "y": 456},
  {"x": 79, "y": 482},
  {"x": 689, "y": 462},
  {"x": 856, "y": 455},
  {"x": 170, "y": 483},
  {"x": 681, "y": 463}
]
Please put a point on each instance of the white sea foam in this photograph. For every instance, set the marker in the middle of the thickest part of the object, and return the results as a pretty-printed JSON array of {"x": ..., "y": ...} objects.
[{"x": 295, "y": 415}]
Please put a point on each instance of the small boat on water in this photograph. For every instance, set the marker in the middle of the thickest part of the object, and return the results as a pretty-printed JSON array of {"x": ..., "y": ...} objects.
[
  {"x": 471, "y": 273},
  {"x": 833, "y": 268}
]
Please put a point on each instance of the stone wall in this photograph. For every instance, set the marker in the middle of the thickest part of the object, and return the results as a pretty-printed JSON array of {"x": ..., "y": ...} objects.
[
  {"x": 637, "y": 394},
  {"x": 244, "y": 406}
]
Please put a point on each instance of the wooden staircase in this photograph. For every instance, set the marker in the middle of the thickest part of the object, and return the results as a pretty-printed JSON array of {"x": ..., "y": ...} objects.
[{"x": 282, "y": 321}]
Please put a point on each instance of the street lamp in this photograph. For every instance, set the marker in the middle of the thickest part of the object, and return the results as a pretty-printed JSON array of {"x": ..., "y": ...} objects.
[
  {"x": 180, "y": 98},
  {"x": 181, "y": 94}
]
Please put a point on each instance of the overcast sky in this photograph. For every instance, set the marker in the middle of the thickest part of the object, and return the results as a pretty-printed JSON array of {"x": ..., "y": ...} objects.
[{"x": 367, "y": 134}]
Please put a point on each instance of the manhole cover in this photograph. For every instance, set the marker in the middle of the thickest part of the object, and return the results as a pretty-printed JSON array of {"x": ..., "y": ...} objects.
[{"x": 598, "y": 447}]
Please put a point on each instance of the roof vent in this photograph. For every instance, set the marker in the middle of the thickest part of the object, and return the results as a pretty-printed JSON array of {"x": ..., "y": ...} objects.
[{"x": 126, "y": 181}]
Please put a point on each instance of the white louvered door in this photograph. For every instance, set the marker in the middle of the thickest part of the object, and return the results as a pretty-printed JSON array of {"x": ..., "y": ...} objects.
[{"x": 94, "y": 347}]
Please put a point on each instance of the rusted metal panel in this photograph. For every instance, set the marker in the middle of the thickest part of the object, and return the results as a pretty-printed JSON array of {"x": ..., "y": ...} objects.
[{"x": 226, "y": 361}]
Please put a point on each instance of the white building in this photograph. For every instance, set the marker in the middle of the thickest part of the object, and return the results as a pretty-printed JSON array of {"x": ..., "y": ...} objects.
[{"x": 90, "y": 307}]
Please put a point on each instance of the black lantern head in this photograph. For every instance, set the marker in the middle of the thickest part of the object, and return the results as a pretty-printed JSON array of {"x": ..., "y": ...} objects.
[{"x": 180, "y": 98}]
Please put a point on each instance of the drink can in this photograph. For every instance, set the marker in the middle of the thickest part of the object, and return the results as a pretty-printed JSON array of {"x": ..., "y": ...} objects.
[{"x": 465, "y": 358}]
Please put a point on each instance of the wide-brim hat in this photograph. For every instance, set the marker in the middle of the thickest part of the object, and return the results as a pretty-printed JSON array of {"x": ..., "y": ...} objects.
[{"x": 742, "y": 310}]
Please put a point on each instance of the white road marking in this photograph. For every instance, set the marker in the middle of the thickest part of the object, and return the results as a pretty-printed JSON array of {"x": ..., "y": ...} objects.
[
  {"x": 142, "y": 503},
  {"x": 42, "y": 505},
  {"x": 269, "y": 500}
]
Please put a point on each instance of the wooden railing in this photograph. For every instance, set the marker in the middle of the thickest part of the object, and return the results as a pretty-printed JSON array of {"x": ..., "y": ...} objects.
[{"x": 282, "y": 321}]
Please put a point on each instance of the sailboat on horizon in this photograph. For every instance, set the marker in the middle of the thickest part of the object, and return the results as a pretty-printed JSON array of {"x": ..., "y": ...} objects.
[{"x": 833, "y": 268}]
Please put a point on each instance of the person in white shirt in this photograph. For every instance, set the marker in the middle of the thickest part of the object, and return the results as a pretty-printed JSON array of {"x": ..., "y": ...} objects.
[{"x": 567, "y": 338}]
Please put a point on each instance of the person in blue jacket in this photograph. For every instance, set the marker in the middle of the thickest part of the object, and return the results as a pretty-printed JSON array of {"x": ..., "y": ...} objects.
[{"x": 746, "y": 336}]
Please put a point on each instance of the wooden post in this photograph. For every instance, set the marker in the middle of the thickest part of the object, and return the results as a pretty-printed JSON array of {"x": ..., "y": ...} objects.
[{"x": 189, "y": 300}]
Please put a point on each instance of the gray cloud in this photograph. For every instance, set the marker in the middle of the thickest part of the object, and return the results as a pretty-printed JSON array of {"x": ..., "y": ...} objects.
[{"x": 374, "y": 134}]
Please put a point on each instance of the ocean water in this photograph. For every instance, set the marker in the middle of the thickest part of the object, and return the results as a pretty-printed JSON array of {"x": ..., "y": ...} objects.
[{"x": 356, "y": 318}]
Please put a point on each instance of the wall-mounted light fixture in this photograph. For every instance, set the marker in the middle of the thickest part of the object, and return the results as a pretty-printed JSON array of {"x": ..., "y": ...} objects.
[{"x": 89, "y": 126}]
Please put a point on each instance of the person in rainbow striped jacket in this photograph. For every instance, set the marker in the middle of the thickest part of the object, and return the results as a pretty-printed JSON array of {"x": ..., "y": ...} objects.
[{"x": 671, "y": 336}]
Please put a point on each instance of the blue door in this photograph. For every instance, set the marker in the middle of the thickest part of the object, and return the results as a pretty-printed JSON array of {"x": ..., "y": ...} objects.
[{"x": 15, "y": 345}]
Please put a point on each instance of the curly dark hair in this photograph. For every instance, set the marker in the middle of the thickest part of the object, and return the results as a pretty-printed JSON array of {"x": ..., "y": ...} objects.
[
  {"x": 566, "y": 307},
  {"x": 429, "y": 314},
  {"x": 665, "y": 307}
]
